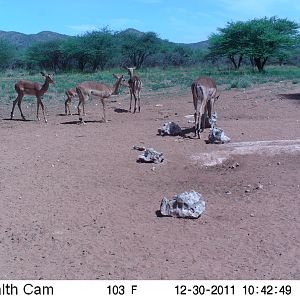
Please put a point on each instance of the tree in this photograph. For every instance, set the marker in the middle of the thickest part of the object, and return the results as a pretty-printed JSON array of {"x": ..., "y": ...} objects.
[
  {"x": 230, "y": 42},
  {"x": 99, "y": 47},
  {"x": 135, "y": 48},
  {"x": 46, "y": 55},
  {"x": 7, "y": 53},
  {"x": 259, "y": 39}
]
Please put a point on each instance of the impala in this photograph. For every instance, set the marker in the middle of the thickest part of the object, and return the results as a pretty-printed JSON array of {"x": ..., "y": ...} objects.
[
  {"x": 71, "y": 93},
  {"x": 24, "y": 87},
  {"x": 93, "y": 88},
  {"x": 135, "y": 86},
  {"x": 204, "y": 92}
]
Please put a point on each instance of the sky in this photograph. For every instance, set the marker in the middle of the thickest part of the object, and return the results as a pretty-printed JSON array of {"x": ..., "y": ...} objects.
[{"x": 184, "y": 21}]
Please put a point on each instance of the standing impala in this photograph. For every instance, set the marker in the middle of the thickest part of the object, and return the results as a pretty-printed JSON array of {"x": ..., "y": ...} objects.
[
  {"x": 24, "y": 87},
  {"x": 93, "y": 88},
  {"x": 135, "y": 86},
  {"x": 71, "y": 93},
  {"x": 204, "y": 92}
]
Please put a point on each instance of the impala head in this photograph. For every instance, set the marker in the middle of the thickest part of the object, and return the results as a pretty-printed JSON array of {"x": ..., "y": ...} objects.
[
  {"x": 130, "y": 71},
  {"x": 48, "y": 77},
  {"x": 119, "y": 77}
]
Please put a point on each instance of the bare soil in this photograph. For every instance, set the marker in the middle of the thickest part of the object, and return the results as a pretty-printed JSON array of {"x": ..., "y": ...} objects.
[{"x": 75, "y": 204}]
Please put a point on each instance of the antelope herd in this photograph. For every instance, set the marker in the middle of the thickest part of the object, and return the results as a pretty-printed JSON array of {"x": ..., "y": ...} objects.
[{"x": 204, "y": 91}]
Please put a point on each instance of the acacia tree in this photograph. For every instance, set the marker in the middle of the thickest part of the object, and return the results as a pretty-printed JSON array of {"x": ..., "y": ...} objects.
[
  {"x": 99, "y": 48},
  {"x": 230, "y": 43},
  {"x": 135, "y": 48},
  {"x": 259, "y": 39}
]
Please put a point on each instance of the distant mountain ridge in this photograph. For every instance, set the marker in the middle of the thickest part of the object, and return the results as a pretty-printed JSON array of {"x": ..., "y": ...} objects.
[{"x": 23, "y": 41}]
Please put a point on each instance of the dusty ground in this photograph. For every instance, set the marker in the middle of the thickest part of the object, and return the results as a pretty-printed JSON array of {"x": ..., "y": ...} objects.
[{"x": 75, "y": 204}]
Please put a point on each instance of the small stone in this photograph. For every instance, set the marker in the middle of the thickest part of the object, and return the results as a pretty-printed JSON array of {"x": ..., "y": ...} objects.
[
  {"x": 247, "y": 191},
  {"x": 228, "y": 193},
  {"x": 251, "y": 215},
  {"x": 259, "y": 187},
  {"x": 279, "y": 163}
]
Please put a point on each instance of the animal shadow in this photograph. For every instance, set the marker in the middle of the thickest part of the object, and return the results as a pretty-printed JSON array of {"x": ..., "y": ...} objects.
[
  {"x": 18, "y": 120},
  {"x": 121, "y": 110},
  {"x": 79, "y": 123},
  {"x": 295, "y": 96}
]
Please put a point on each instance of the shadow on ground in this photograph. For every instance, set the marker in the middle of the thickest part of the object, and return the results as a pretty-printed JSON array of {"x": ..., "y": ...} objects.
[{"x": 295, "y": 96}]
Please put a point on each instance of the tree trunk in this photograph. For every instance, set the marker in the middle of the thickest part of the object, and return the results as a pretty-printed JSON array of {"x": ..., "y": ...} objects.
[
  {"x": 240, "y": 60},
  {"x": 258, "y": 63},
  {"x": 231, "y": 57}
]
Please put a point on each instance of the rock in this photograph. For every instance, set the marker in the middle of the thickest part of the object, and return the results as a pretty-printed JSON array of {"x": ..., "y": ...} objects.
[
  {"x": 259, "y": 187},
  {"x": 170, "y": 128},
  {"x": 185, "y": 205},
  {"x": 217, "y": 136},
  {"x": 139, "y": 148},
  {"x": 235, "y": 165},
  {"x": 150, "y": 155}
]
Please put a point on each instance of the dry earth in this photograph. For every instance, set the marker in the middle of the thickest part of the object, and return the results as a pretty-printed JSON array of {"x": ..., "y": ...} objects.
[{"x": 75, "y": 204}]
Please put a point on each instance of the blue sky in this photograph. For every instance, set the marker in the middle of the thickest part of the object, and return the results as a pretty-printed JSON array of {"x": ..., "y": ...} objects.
[{"x": 184, "y": 21}]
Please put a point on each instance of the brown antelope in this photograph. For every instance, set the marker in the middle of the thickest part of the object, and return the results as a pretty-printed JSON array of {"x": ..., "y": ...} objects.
[
  {"x": 135, "y": 86},
  {"x": 71, "y": 93},
  {"x": 93, "y": 88},
  {"x": 204, "y": 92},
  {"x": 24, "y": 87}
]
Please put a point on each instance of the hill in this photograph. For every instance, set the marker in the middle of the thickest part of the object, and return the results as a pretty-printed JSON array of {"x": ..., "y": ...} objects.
[{"x": 22, "y": 40}]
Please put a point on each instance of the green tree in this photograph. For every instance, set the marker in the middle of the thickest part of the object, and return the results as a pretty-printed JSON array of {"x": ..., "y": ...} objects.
[
  {"x": 136, "y": 48},
  {"x": 7, "y": 54},
  {"x": 230, "y": 42},
  {"x": 46, "y": 55},
  {"x": 259, "y": 39},
  {"x": 99, "y": 48}
]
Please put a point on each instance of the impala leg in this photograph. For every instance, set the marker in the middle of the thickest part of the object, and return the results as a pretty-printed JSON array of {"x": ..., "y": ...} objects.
[
  {"x": 43, "y": 110},
  {"x": 201, "y": 120},
  {"x": 81, "y": 103},
  {"x": 13, "y": 108},
  {"x": 196, "y": 123},
  {"x": 20, "y": 108},
  {"x": 67, "y": 107},
  {"x": 134, "y": 95},
  {"x": 139, "y": 99},
  {"x": 83, "y": 111},
  {"x": 130, "y": 99},
  {"x": 104, "y": 109}
]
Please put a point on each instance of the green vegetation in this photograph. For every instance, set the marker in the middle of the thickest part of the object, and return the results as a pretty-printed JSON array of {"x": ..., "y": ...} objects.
[
  {"x": 236, "y": 57},
  {"x": 172, "y": 80},
  {"x": 249, "y": 44},
  {"x": 257, "y": 39}
]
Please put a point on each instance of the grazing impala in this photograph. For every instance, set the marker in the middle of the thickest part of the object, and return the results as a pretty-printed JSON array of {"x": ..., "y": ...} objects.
[
  {"x": 71, "y": 93},
  {"x": 93, "y": 88},
  {"x": 135, "y": 86},
  {"x": 24, "y": 87},
  {"x": 204, "y": 92}
]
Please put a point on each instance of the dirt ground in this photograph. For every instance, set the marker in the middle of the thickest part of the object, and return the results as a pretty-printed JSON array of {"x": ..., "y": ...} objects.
[{"x": 75, "y": 204}]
